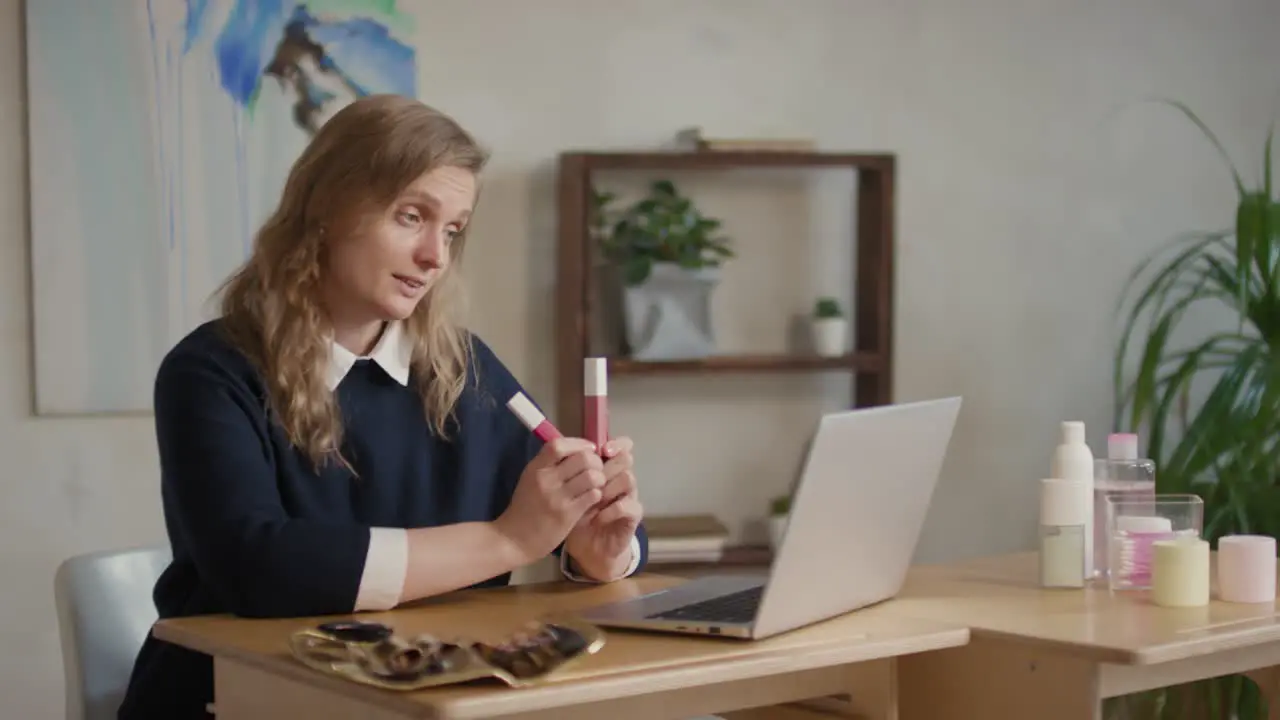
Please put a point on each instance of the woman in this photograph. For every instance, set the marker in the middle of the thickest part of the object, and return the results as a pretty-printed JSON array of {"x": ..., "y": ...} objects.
[{"x": 334, "y": 442}]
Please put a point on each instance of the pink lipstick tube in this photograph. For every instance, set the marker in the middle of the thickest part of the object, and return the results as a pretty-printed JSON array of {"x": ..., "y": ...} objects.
[
  {"x": 595, "y": 391},
  {"x": 532, "y": 417}
]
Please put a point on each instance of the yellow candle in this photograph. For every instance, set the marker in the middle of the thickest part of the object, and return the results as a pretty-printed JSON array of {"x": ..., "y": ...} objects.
[{"x": 1180, "y": 572}]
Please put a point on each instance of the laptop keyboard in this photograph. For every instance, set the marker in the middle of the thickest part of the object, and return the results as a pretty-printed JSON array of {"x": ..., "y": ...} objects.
[{"x": 739, "y": 607}]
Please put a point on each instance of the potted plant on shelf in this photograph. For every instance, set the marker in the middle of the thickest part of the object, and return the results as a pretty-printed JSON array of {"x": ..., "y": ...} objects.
[
  {"x": 779, "y": 507},
  {"x": 668, "y": 257},
  {"x": 598, "y": 220},
  {"x": 1219, "y": 445},
  {"x": 829, "y": 327}
]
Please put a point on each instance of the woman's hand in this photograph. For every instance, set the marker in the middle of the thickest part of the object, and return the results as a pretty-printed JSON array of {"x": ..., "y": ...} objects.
[
  {"x": 557, "y": 488},
  {"x": 600, "y": 544}
]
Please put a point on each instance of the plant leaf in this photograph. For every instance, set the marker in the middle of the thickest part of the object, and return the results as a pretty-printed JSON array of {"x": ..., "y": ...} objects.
[
  {"x": 1151, "y": 299},
  {"x": 1224, "y": 446},
  {"x": 637, "y": 269},
  {"x": 1217, "y": 144}
]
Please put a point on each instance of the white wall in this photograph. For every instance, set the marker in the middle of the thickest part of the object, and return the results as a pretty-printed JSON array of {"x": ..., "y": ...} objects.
[{"x": 1028, "y": 188}]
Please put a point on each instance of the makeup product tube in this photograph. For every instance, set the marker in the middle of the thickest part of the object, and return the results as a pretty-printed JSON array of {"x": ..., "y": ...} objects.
[
  {"x": 532, "y": 418},
  {"x": 1064, "y": 515},
  {"x": 595, "y": 396}
]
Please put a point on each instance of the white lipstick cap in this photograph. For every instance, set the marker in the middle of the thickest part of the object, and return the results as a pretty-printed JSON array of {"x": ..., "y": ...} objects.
[
  {"x": 524, "y": 409},
  {"x": 595, "y": 382}
]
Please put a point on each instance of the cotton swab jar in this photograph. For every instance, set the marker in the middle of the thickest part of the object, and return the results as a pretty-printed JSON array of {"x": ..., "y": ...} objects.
[
  {"x": 1130, "y": 559},
  {"x": 1134, "y": 524}
]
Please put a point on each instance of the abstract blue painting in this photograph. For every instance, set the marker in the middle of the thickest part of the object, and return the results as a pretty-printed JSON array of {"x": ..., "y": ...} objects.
[{"x": 161, "y": 132}]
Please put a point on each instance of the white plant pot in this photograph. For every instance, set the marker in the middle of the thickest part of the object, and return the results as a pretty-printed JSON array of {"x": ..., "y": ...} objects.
[
  {"x": 668, "y": 316},
  {"x": 777, "y": 526},
  {"x": 829, "y": 336}
]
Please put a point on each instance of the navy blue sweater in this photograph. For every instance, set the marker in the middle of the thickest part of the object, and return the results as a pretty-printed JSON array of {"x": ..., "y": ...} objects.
[{"x": 256, "y": 533}]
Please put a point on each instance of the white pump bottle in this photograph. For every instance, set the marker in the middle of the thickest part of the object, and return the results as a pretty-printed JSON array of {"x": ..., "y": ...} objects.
[{"x": 1073, "y": 460}]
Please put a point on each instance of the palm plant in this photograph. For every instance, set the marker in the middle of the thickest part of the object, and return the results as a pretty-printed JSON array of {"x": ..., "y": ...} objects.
[{"x": 1223, "y": 447}]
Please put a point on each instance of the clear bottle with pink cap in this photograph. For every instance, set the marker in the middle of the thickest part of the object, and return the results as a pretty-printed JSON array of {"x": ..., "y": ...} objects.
[{"x": 1122, "y": 475}]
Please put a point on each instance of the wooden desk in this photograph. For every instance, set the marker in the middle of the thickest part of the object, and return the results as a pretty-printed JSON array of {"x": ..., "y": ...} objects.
[
  {"x": 635, "y": 675},
  {"x": 1052, "y": 654}
]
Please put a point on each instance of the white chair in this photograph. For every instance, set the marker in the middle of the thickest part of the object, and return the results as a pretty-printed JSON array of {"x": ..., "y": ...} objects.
[{"x": 105, "y": 611}]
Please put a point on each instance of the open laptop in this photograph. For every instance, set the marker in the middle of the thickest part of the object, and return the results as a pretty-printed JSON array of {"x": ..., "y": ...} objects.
[{"x": 855, "y": 521}]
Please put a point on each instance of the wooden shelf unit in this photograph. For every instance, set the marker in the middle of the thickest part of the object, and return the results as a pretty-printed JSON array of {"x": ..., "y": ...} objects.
[
  {"x": 873, "y": 237},
  {"x": 858, "y": 362}
]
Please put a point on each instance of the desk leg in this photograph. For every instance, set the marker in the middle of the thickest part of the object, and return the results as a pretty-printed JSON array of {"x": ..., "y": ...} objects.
[{"x": 995, "y": 678}]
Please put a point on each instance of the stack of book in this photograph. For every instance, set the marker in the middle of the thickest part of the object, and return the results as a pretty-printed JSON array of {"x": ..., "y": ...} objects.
[
  {"x": 691, "y": 139},
  {"x": 685, "y": 538}
]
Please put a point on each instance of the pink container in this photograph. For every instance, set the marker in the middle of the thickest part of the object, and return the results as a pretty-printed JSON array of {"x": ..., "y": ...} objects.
[{"x": 1247, "y": 568}]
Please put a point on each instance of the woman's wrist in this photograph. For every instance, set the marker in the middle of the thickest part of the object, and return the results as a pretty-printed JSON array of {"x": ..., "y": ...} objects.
[
  {"x": 451, "y": 557},
  {"x": 601, "y": 569},
  {"x": 506, "y": 546}
]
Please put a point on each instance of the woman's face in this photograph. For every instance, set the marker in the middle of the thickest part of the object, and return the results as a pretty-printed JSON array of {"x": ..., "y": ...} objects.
[{"x": 383, "y": 270}]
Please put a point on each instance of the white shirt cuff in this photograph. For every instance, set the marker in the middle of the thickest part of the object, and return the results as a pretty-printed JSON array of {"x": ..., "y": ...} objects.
[
  {"x": 385, "y": 568},
  {"x": 567, "y": 571}
]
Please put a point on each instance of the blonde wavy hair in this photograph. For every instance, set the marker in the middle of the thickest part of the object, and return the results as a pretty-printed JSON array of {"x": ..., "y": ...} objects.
[{"x": 354, "y": 167}]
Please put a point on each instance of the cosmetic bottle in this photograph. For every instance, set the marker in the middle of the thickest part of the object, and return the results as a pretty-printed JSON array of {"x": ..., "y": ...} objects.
[
  {"x": 1121, "y": 475},
  {"x": 1073, "y": 461},
  {"x": 1064, "y": 513}
]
